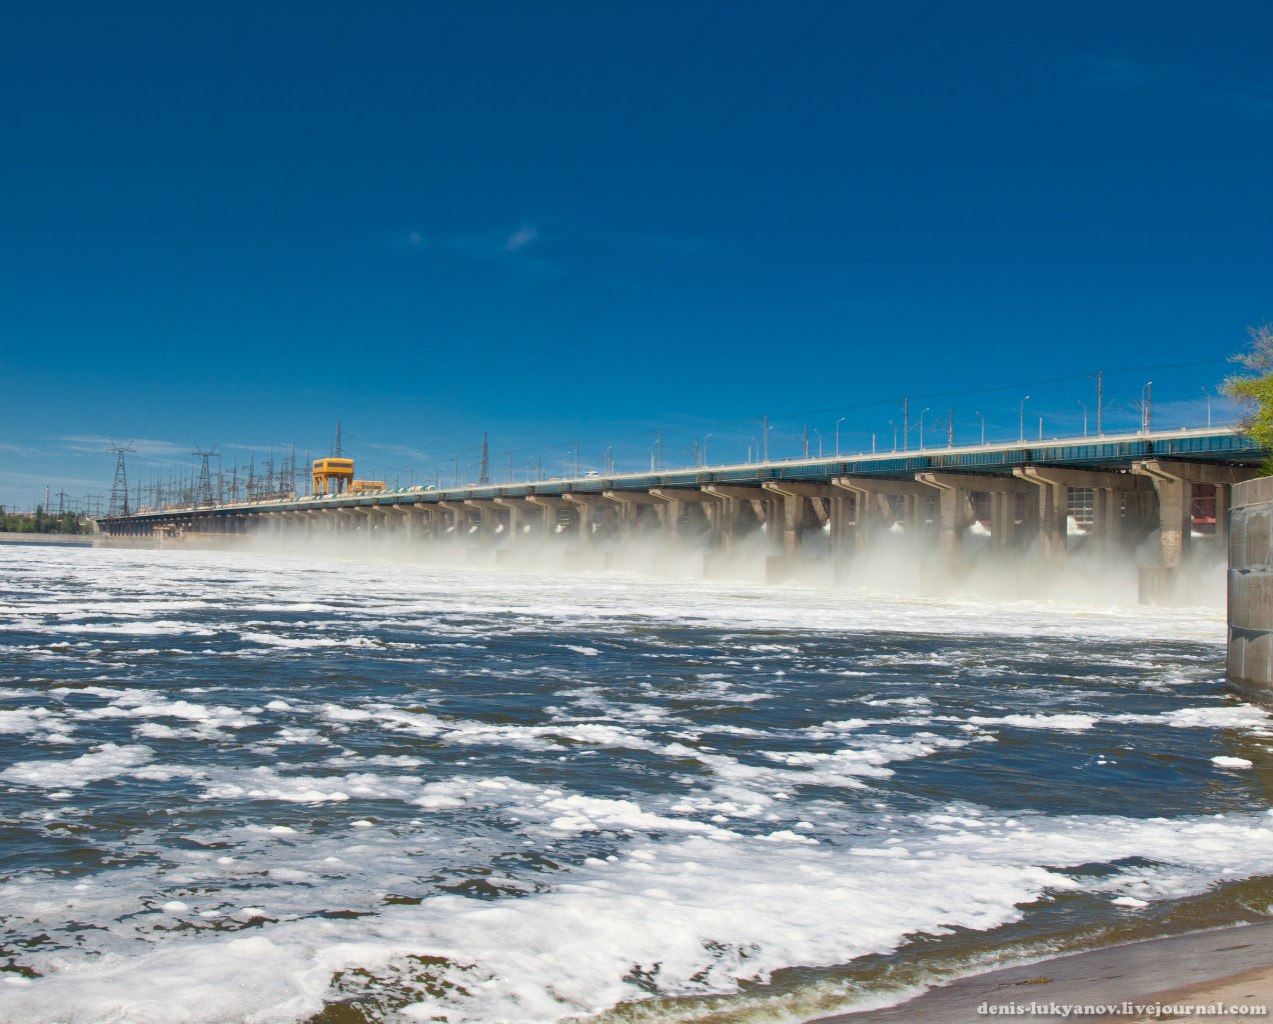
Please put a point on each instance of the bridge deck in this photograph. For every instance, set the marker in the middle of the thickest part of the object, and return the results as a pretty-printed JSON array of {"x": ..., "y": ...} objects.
[{"x": 1116, "y": 452}]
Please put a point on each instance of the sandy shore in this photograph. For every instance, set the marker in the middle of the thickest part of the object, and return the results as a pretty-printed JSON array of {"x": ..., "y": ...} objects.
[{"x": 1159, "y": 978}]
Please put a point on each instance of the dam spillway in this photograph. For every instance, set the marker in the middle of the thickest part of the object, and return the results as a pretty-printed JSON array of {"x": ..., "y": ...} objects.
[{"x": 1026, "y": 497}]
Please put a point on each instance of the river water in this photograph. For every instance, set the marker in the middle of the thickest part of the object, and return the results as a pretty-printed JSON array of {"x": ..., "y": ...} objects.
[{"x": 250, "y": 787}]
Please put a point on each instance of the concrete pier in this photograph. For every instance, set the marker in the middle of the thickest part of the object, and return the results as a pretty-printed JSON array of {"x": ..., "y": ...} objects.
[
  {"x": 1250, "y": 660},
  {"x": 1176, "y": 484}
]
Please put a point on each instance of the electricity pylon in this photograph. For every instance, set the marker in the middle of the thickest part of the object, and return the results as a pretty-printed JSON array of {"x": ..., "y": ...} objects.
[{"x": 119, "y": 489}]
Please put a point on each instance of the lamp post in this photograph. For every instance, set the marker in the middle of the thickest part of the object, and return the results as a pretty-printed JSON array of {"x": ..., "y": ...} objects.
[
  {"x": 1021, "y": 419},
  {"x": 894, "y": 426},
  {"x": 1147, "y": 407},
  {"x": 1084, "y": 405},
  {"x": 982, "y": 417},
  {"x": 921, "y": 428},
  {"x": 1208, "y": 394},
  {"x": 837, "y": 435},
  {"x": 706, "y": 438}
]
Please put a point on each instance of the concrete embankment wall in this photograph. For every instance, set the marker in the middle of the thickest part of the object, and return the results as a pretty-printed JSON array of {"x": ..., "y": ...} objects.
[
  {"x": 73, "y": 539},
  {"x": 1251, "y": 585}
]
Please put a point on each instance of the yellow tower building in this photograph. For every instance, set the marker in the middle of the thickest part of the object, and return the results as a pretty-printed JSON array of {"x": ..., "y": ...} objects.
[{"x": 332, "y": 476}]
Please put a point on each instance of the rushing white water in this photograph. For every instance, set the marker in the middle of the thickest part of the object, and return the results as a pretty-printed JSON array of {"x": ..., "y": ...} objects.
[{"x": 240, "y": 787}]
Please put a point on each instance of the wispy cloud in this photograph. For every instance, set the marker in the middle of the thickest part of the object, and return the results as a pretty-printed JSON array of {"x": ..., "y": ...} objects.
[
  {"x": 49, "y": 479},
  {"x": 144, "y": 447},
  {"x": 1130, "y": 74},
  {"x": 17, "y": 449},
  {"x": 492, "y": 244},
  {"x": 520, "y": 238}
]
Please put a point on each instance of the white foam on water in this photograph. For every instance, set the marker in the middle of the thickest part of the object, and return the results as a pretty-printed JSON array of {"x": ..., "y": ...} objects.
[
  {"x": 107, "y": 761},
  {"x": 691, "y": 914},
  {"x": 1065, "y": 722},
  {"x": 41, "y": 724}
]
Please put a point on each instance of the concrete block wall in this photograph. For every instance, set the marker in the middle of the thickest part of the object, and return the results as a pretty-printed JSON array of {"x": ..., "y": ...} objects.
[{"x": 1251, "y": 585}]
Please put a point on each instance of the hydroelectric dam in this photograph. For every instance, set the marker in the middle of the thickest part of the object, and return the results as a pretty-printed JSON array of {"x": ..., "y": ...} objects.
[{"x": 1027, "y": 500}]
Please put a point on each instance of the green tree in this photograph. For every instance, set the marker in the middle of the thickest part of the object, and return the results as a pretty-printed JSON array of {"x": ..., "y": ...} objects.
[{"x": 1255, "y": 393}]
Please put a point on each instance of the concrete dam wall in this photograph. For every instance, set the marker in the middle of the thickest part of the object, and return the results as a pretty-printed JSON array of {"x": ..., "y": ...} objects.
[{"x": 1251, "y": 585}]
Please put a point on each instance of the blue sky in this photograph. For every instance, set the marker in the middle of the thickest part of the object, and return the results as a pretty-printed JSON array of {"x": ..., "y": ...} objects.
[{"x": 229, "y": 225}]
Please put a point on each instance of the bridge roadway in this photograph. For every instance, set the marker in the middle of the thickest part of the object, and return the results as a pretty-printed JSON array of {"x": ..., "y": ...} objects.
[{"x": 1120, "y": 487}]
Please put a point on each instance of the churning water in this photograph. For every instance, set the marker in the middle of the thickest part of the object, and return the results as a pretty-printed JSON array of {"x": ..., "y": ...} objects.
[{"x": 243, "y": 787}]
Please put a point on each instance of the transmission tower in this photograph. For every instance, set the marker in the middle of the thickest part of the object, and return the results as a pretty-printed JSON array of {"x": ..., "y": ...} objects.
[
  {"x": 119, "y": 489},
  {"x": 337, "y": 452},
  {"x": 485, "y": 475},
  {"x": 203, "y": 493}
]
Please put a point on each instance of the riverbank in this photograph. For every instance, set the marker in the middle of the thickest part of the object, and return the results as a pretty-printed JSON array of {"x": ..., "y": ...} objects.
[
  {"x": 82, "y": 540},
  {"x": 1139, "y": 982}
]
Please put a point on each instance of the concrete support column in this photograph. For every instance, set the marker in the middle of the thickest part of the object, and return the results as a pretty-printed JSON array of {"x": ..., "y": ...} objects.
[
  {"x": 591, "y": 510},
  {"x": 670, "y": 514},
  {"x": 1107, "y": 517},
  {"x": 794, "y": 510},
  {"x": 629, "y": 503},
  {"x": 954, "y": 513},
  {"x": 731, "y": 513},
  {"x": 459, "y": 517},
  {"x": 1224, "y": 498},
  {"x": 1174, "y": 483},
  {"x": 874, "y": 511},
  {"x": 689, "y": 507},
  {"x": 408, "y": 519},
  {"x": 488, "y": 519},
  {"x": 551, "y": 506},
  {"x": 592, "y": 514},
  {"x": 517, "y": 509},
  {"x": 431, "y": 520},
  {"x": 773, "y": 518},
  {"x": 1118, "y": 501},
  {"x": 1054, "y": 519},
  {"x": 1003, "y": 520}
]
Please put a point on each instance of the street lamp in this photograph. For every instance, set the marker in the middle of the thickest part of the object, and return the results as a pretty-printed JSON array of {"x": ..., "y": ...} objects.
[
  {"x": 921, "y": 428},
  {"x": 983, "y": 426},
  {"x": 1146, "y": 407},
  {"x": 819, "y": 433},
  {"x": 894, "y": 426},
  {"x": 1208, "y": 394},
  {"x": 1084, "y": 405},
  {"x": 1021, "y": 417},
  {"x": 703, "y": 453},
  {"x": 837, "y": 435}
]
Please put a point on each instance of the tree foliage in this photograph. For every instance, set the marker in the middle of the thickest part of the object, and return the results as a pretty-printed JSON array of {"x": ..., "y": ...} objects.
[
  {"x": 1255, "y": 392},
  {"x": 41, "y": 522}
]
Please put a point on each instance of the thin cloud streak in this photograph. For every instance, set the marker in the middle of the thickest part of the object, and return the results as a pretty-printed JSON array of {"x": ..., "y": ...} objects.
[{"x": 1166, "y": 80}]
